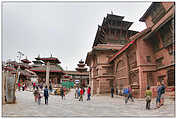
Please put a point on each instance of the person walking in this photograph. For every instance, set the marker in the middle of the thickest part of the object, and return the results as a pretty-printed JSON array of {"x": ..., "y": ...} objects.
[
  {"x": 34, "y": 85},
  {"x": 23, "y": 86},
  {"x": 50, "y": 87},
  {"x": 162, "y": 93},
  {"x": 112, "y": 92},
  {"x": 88, "y": 93},
  {"x": 19, "y": 86},
  {"x": 36, "y": 92},
  {"x": 158, "y": 95},
  {"x": 39, "y": 98},
  {"x": 46, "y": 95},
  {"x": 125, "y": 93},
  {"x": 76, "y": 90},
  {"x": 81, "y": 94},
  {"x": 62, "y": 92},
  {"x": 148, "y": 97},
  {"x": 130, "y": 94},
  {"x": 116, "y": 91}
]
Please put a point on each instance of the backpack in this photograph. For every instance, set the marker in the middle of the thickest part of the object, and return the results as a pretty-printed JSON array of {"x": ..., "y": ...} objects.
[
  {"x": 148, "y": 98},
  {"x": 126, "y": 91}
]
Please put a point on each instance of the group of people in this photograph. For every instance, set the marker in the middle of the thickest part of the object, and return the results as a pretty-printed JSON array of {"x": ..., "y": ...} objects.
[
  {"x": 38, "y": 96},
  {"x": 23, "y": 85},
  {"x": 80, "y": 91},
  {"x": 160, "y": 95},
  {"x": 127, "y": 92}
]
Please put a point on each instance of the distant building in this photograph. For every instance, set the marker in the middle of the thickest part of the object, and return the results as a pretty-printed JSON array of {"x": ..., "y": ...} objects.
[
  {"x": 56, "y": 71},
  {"x": 79, "y": 78}
]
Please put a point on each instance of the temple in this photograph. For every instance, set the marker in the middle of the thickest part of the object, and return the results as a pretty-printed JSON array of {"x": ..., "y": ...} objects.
[
  {"x": 146, "y": 58},
  {"x": 110, "y": 38},
  {"x": 55, "y": 73}
]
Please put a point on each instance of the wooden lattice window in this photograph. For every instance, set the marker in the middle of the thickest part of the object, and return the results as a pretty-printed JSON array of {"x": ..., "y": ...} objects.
[
  {"x": 166, "y": 34},
  {"x": 148, "y": 58},
  {"x": 150, "y": 81},
  {"x": 159, "y": 62},
  {"x": 171, "y": 77}
]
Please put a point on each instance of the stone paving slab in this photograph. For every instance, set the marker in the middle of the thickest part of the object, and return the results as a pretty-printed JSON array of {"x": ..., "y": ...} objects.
[{"x": 99, "y": 106}]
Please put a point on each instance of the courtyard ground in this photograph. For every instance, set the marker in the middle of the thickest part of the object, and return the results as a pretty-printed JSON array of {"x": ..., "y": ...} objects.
[{"x": 98, "y": 106}]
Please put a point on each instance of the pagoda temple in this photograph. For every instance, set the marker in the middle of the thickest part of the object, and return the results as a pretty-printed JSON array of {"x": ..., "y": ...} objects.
[
  {"x": 55, "y": 72},
  {"x": 81, "y": 68},
  {"x": 110, "y": 37}
]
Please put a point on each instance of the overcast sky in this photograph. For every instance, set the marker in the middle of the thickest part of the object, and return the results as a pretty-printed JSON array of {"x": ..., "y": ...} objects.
[{"x": 65, "y": 29}]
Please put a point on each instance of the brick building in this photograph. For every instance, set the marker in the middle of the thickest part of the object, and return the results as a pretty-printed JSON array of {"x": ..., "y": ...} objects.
[
  {"x": 148, "y": 56},
  {"x": 110, "y": 38}
]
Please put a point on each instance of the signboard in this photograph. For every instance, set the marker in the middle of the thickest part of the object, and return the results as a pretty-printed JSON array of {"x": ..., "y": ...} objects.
[{"x": 77, "y": 81}]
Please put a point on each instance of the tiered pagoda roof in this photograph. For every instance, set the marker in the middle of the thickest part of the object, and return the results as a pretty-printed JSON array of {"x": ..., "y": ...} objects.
[
  {"x": 113, "y": 23},
  {"x": 53, "y": 68},
  {"x": 49, "y": 59},
  {"x": 81, "y": 66},
  {"x": 26, "y": 61}
]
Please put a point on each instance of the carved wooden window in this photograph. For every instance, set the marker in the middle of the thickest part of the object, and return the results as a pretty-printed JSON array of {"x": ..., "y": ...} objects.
[
  {"x": 148, "y": 58},
  {"x": 161, "y": 78},
  {"x": 159, "y": 62},
  {"x": 171, "y": 77},
  {"x": 166, "y": 34},
  {"x": 155, "y": 43},
  {"x": 150, "y": 81},
  {"x": 157, "y": 12},
  {"x": 132, "y": 60}
]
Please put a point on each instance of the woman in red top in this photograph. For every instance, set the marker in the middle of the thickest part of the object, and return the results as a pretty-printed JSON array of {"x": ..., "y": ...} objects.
[
  {"x": 19, "y": 86},
  {"x": 88, "y": 93},
  {"x": 81, "y": 94}
]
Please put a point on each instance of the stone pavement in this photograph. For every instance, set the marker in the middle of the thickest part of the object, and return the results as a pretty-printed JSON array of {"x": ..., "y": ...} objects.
[{"x": 99, "y": 106}]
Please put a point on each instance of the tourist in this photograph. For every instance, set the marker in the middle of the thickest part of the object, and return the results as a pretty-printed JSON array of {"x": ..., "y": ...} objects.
[
  {"x": 81, "y": 94},
  {"x": 50, "y": 87},
  {"x": 88, "y": 93},
  {"x": 130, "y": 94},
  {"x": 112, "y": 92},
  {"x": 36, "y": 92},
  {"x": 125, "y": 92},
  {"x": 23, "y": 86},
  {"x": 83, "y": 90},
  {"x": 148, "y": 97},
  {"x": 46, "y": 95},
  {"x": 39, "y": 98},
  {"x": 158, "y": 95},
  {"x": 162, "y": 93},
  {"x": 116, "y": 91},
  {"x": 19, "y": 86},
  {"x": 76, "y": 94},
  {"x": 62, "y": 92},
  {"x": 34, "y": 85}
]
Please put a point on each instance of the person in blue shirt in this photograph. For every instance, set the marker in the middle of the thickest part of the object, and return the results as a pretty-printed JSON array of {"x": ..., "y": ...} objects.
[
  {"x": 158, "y": 95},
  {"x": 162, "y": 93},
  {"x": 46, "y": 94}
]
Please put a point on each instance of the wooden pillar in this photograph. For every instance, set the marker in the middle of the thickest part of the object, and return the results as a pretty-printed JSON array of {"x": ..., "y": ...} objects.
[{"x": 47, "y": 74}]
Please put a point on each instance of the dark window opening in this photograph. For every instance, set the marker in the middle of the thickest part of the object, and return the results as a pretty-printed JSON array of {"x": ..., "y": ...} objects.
[
  {"x": 171, "y": 77},
  {"x": 159, "y": 62},
  {"x": 148, "y": 58}
]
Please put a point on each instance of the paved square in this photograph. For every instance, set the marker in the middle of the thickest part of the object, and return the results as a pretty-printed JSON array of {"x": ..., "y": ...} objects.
[{"x": 99, "y": 106}]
